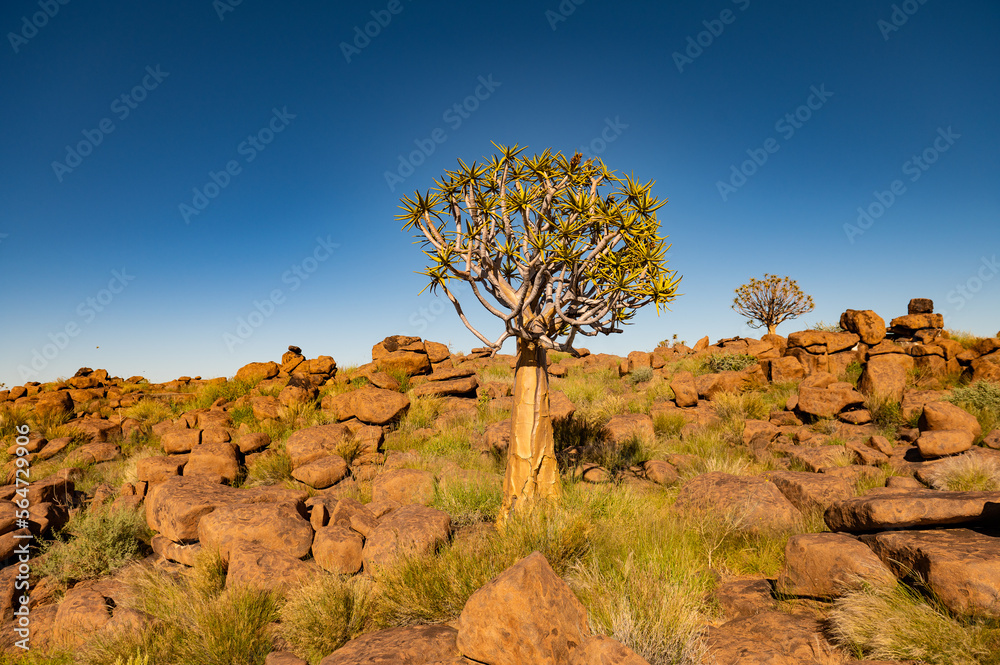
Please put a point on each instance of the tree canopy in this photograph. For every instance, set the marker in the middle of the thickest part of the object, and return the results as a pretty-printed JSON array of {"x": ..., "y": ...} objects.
[{"x": 554, "y": 247}]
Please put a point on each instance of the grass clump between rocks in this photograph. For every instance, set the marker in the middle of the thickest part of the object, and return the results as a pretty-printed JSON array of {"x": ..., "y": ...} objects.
[
  {"x": 734, "y": 362},
  {"x": 967, "y": 473},
  {"x": 981, "y": 399},
  {"x": 899, "y": 623}
]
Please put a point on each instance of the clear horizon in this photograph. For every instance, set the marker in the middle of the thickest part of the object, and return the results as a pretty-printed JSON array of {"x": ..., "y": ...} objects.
[{"x": 193, "y": 187}]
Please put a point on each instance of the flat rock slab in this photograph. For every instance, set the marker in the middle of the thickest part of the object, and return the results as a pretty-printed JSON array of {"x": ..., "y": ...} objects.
[
  {"x": 410, "y": 645},
  {"x": 771, "y": 638},
  {"x": 175, "y": 507},
  {"x": 916, "y": 508},
  {"x": 961, "y": 566},
  {"x": 810, "y": 490}
]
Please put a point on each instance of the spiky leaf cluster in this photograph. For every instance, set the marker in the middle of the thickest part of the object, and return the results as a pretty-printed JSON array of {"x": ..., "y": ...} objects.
[
  {"x": 554, "y": 247},
  {"x": 769, "y": 301}
]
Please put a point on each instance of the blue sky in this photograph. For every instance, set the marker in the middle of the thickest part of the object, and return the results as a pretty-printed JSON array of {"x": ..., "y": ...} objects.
[{"x": 171, "y": 170}]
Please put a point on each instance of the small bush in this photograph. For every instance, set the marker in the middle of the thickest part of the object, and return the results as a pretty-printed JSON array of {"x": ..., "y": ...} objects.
[
  {"x": 967, "y": 473},
  {"x": 852, "y": 373},
  {"x": 472, "y": 502},
  {"x": 148, "y": 411},
  {"x": 734, "y": 409},
  {"x": 899, "y": 624},
  {"x": 668, "y": 424},
  {"x": 323, "y": 616},
  {"x": 271, "y": 467},
  {"x": 979, "y": 395},
  {"x": 827, "y": 327},
  {"x": 104, "y": 539},
  {"x": 735, "y": 362},
  {"x": 641, "y": 375},
  {"x": 886, "y": 412}
]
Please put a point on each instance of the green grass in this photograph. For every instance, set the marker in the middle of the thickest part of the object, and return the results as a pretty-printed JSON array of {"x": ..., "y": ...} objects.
[
  {"x": 900, "y": 624},
  {"x": 103, "y": 540}
]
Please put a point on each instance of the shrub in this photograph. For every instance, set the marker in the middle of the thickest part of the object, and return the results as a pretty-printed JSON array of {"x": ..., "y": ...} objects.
[
  {"x": 148, "y": 411},
  {"x": 104, "y": 539},
  {"x": 735, "y": 362}
]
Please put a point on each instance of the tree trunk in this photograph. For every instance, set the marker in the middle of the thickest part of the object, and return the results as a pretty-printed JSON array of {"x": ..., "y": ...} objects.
[
  {"x": 771, "y": 328},
  {"x": 532, "y": 472}
]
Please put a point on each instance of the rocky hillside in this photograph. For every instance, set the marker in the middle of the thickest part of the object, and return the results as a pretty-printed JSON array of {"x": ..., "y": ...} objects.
[{"x": 821, "y": 498}]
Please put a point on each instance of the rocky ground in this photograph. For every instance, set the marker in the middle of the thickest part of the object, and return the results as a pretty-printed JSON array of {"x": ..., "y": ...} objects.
[{"x": 821, "y": 498}]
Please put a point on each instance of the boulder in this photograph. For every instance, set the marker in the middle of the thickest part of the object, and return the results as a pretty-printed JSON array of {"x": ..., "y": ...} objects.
[
  {"x": 257, "y": 371},
  {"x": 824, "y": 565},
  {"x": 265, "y": 406},
  {"x": 527, "y": 614},
  {"x": 412, "y": 529},
  {"x": 622, "y": 428},
  {"x": 941, "y": 416},
  {"x": 441, "y": 388},
  {"x": 660, "y": 472},
  {"x": 754, "y": 502},
  {"x": 436, "y": 352},
  {"x": 960, "y": 566},
  {"x": 827, "y": 402},
  {"x": 940, "y": 443},
  {"x": 337, "y": 549},
  {"x": 253, "y": 564},
  {"x": 323, "y": 472},
  {"x": 180, "y": 439},
  {"x": 786, "y": 369},
  {"x": 685, "y": 390},
  {"x": 885, "y": 375},
  {"x": 771, "y": 638},
  {"x": 409, "y": 363},
  {"x": 175, "y": 506},
  {"x": 373, "y": 406},
  {"x": 405, "y": 486},
  {"x": 866, "y": 324},
  {"x": 810, "y": 491},
  {"x": 213, "y": 461},
  {"x": 278, "y": 526},
  {"x": 601, "y": 650},
  {"x": 313, "y": 443}
]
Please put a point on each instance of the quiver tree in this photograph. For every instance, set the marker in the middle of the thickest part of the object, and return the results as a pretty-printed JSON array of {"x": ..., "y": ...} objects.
[
  {"x": 770, "y": 301},
  {"x": 554, "y": 248}
]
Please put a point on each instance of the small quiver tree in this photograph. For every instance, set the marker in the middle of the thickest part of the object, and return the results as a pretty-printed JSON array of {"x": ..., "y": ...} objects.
[
  {"x": 554, "y": 248},
  {"x": 771, "y": 301}
]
